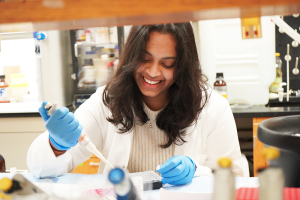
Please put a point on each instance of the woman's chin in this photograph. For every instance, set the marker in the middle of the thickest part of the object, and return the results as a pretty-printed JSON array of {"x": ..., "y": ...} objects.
[{"x": 149, "y": 93}]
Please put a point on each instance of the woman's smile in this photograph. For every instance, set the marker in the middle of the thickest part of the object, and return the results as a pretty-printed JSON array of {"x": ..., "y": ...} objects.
[{"x": 150, "y": 84}]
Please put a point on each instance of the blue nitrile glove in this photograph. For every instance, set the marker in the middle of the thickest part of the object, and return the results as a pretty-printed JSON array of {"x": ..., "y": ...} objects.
[
  {"x": 64, "y": 130},
  {"x": 178, "y": 170}
]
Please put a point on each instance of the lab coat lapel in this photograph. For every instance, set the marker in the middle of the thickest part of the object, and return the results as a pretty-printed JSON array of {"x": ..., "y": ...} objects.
[
  {"x": 188, "y": 148},
  {"x": 120, "y": 150}
]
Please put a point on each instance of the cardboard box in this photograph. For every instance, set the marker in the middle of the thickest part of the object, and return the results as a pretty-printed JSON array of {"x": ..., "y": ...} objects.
[{"x": 8, "y": 70}]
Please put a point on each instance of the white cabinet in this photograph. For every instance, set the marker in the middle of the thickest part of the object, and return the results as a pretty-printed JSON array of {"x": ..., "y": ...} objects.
[{"x": 16, "y": 135}]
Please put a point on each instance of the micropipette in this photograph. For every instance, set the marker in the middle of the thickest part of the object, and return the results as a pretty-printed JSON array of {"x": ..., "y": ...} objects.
[{"x": 83, "y": 139}]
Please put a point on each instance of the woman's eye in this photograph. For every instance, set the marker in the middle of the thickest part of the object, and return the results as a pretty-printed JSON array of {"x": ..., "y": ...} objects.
[
  {"x": 168, "y": 66},
  {"x": 146, "y": 61}
]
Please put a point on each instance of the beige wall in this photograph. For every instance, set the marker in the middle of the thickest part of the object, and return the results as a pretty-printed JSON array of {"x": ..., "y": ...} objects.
[{"x": 16, "y": 135}]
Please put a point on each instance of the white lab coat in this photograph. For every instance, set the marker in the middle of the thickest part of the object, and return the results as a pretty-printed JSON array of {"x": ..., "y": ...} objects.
[{"x": 213, "y": 136}]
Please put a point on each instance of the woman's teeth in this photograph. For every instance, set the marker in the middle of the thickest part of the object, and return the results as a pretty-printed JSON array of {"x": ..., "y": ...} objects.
[{"x": 151, "y": 82}]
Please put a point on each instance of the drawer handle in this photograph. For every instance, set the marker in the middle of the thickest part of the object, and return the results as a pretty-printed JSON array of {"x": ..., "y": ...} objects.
[{"x": 94, "y": 164}]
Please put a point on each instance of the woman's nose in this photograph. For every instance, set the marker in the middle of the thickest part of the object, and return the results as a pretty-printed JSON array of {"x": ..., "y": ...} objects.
[{"x": 153, "y": 69}]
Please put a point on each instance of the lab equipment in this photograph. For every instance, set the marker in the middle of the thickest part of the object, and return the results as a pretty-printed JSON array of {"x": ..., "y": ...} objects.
[
  {"x": 220, "y": 85},
  {"x": 177, "y": 170},
  {"x": 286, "y": 28},
  {"x": 83, "y": 139},
  {"x": 2, "y": 164},
  {"x": 151, "y": 180},
  {"x": 224, "y": 181},
  {"x": 18, "y": 185},
  {"x": 288, "y": 58},
  {"x": 123, "y": 186},
  {"x": 295, "y": 43},
  {"x": 280, "y": 92},
  {"x": 296, "y": 70},
  {"x": 271, "y": 179},
  {"x": 283, "y": 133}
]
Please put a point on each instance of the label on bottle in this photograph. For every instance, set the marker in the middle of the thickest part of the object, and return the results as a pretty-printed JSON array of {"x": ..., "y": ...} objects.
[
  {"x": 276, "y": 85},
  {"x": 4, "y": 95},
  {"x": 222, "y": 90}
]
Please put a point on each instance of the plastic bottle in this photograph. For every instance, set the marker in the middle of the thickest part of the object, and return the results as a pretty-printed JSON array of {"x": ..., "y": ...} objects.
[
  {"x": 220, "y": 85},
  {"x": 274, "y": 87},
  {"x": 123, "y": 186},
  {"x": 80, "y": 35},
  {"x": 2, "y": 164},
  {"x": 271, "y": 179},
  {"x": 4, "y": 90},
  {"x": 224, "y": 183},
  {"x": 18, "y": 185},
  {"x": 88, "y": 37}
]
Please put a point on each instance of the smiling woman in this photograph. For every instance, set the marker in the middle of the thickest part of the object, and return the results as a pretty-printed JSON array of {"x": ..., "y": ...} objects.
[
  {"x": 156, "y": 110},
  {"x": 159, "y": 66}
]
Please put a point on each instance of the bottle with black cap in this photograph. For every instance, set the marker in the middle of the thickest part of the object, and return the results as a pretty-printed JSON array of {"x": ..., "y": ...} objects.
[{"x": 220, "y": 85}]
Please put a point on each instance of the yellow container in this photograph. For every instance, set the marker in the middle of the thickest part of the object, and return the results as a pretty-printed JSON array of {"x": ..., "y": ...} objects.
[{"x": 18, "y": 79}]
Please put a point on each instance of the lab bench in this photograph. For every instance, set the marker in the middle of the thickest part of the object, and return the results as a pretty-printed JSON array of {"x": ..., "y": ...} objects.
[
  {"x": 73, "y": 183},
  {"x": 247, "y": 121}
]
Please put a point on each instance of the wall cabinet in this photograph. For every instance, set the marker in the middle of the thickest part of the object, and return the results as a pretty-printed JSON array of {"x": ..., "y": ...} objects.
[{"x": 16, "y": 136}]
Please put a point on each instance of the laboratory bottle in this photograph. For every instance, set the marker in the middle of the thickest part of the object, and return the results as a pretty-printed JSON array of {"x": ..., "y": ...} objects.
[
  {"x": 123, "y": 186},
  {"x": 4, "y": 90},
  {"x": 2, "y": 164},
  {"x": 274, "y": 87},
  {"x": 220, "y": 85},
  {"x": 88, "y": 37},
  {"x": 18, "y": 185},
  {"x": 224, "y": 181},
  {"x": 271, "y": 178}
]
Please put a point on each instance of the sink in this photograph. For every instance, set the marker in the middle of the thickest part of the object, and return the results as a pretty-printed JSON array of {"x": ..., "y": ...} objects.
[{"x": 284, "y": 133}]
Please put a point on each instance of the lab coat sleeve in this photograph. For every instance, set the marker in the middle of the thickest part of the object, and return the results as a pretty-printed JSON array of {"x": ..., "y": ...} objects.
[
  {"x": 222, "y": 138},
  {"x": 41, "y": 160}
]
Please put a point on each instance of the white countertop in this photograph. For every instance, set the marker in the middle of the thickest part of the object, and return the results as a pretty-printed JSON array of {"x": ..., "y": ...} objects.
[{"x": 22, "y": 107}]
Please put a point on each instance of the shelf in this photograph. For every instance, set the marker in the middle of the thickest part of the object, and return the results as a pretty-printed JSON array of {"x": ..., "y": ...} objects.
[
  {"x": 86, "y": 44},
  {"x": 65, "y": 15}
]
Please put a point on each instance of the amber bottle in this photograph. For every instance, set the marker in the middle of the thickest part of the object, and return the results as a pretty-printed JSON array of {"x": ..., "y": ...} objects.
[
  {"x": 2, "y": 164},
  {"x": 220, "y": 85}
]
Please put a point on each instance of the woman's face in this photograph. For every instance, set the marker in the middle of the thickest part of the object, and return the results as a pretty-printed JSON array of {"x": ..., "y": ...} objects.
[{"x": 155, "y": 76}]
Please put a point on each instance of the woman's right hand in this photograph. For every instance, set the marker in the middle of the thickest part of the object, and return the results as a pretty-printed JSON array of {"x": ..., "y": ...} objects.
[{"x": 64, "y": 130}]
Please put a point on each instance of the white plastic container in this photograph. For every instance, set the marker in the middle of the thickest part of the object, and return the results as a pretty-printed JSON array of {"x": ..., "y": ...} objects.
[
  {"x": 19, "y": 90},
  {"x": 248, "y": 65},
  {"x": 102, "y": 70},
  {"x": 19, "y": 86}
]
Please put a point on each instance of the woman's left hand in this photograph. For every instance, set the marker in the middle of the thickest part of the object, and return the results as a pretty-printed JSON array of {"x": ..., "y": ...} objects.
[{"x": 178, "y": 170}]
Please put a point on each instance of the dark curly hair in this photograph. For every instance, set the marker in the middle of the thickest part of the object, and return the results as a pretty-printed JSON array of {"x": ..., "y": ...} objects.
[{"x": 188, "y": 93}]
